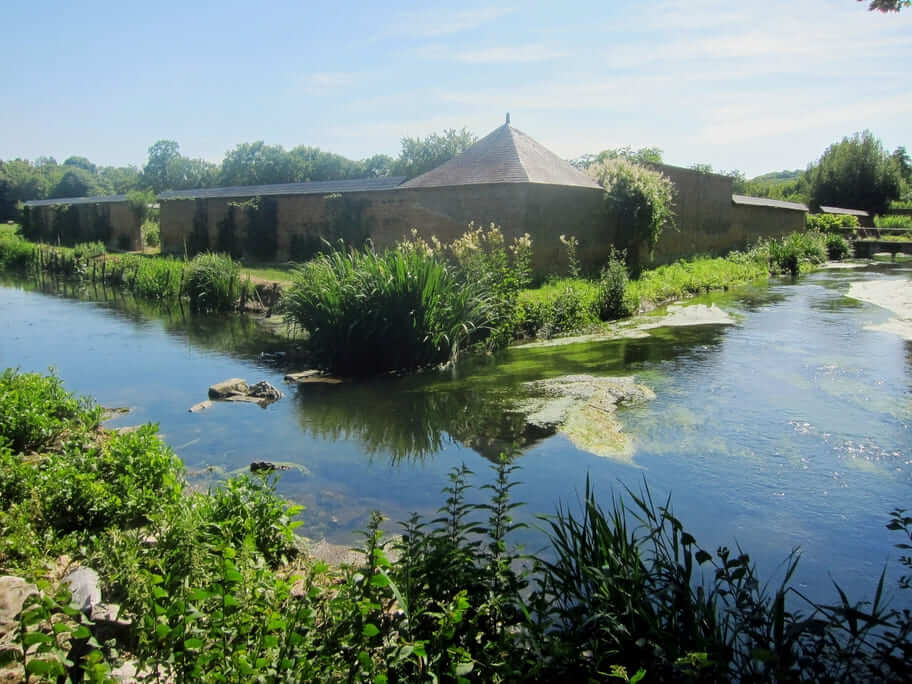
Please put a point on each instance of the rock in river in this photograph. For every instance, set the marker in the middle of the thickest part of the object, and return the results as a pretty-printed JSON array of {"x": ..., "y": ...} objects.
[{"x": 583, "y": 408}]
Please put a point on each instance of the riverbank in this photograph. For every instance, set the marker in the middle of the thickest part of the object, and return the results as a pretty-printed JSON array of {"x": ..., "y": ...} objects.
[
  {"x": 185, "y": 585},
  {"x": 894, "y": 296}
]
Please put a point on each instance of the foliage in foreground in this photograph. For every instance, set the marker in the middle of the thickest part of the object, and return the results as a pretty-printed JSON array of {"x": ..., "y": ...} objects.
[
  {"x": 215, "y": 592},
  {"x": 419, "y": 304}
]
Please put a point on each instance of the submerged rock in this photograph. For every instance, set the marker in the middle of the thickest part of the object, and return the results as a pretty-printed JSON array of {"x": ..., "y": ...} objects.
[
  {"x": 227, "y": 388},
  {"x": 202, "y": 406},
  {"x": 583, "y": 408},
  {"x": 313, "y": 377},
  {"x": 237, "y": 390},
  {"x": 263, "y": 390},
  {"x": 265, "y": 467}
]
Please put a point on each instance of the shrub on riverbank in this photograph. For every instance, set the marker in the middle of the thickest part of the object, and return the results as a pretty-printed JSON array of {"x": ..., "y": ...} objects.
[
  {"x": 825, "y": 223},
  {"x": 213, "y": 282},
  {"x": 15, "y": 252},
  {"x": 369, "y": 312},
  {"x": 214, "y": 592}
]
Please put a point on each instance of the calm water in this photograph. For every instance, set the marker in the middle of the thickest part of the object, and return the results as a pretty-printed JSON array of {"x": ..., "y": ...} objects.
[{"x": 791, "y": 428}]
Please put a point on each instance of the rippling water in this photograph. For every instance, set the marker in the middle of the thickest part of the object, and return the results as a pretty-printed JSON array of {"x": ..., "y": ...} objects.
[{"x": 790, "y": 428}]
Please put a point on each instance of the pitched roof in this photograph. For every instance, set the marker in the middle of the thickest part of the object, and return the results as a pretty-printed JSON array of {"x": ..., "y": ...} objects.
[
  {"x": 505, "y": 155},
  {"x": 312, "y": 188},
  {"x": 766, "y": 202},
  {"x": 76, "y": 200},
  {"x": 840, "y": 210}
]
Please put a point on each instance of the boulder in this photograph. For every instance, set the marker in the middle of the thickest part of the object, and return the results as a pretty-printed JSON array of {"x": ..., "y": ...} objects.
[
  {"x": 263, "y": 390},
  {"x": 84, "y": 586},
  {"x": 202, "y": 406},
  {"x": 14, "y": 591},
  {"x": 227, "y": 388}
]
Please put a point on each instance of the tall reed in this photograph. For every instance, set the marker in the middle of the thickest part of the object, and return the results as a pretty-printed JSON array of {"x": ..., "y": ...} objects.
[{"x": 369, "y": 312}]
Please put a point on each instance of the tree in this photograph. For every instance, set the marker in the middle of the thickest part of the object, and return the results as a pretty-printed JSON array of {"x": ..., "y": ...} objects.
[
  {"x": 256, "y": 163},
  {"x": 81, "y": 163},
  {"x": 419, "y": 156},
  {"x": 155, "y": 172},
  {"x": 888, "y": 5},
  {"x": 119, "y": 180},
  {"x": 184, "y": 173},
  {"x": 75, "y": 182},
  {"x": 644, "y": 155},
  {"x": 377, "y": 165},
  {"x": 855, "y": 173}
]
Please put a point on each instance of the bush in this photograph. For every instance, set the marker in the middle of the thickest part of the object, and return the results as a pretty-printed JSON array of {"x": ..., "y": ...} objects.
[
  {"x": 213, "y": 282},
  {"x": 370, "y": 313},
  {"x": 151, "y": 233},
  {"x": 88, "y": 250},
  {"x": 893, "y": 222},
  {"x": 557, "y": 308},
  {"x": 15, "y": 252},
  {"x": 642, "y": 199},
  {"x": 787, "y": 255},
  {"x": 156, "y": 278},
  {"x": 825, "y": 223},
  {"x": 611, "y": 300},
  {"x": 837, "y": 247},
  {"x": 36, "y": 410}
]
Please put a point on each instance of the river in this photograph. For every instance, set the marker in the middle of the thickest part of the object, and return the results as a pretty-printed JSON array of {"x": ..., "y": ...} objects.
[{"x": 782, "y": 420}]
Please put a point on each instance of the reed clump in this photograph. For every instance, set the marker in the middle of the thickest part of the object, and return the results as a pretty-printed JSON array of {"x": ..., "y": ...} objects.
[
  {"x": 371, "y": 312},
  {"x": 213, "y": 282}
]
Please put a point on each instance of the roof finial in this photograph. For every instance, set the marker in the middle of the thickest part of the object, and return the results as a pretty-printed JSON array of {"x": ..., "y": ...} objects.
[{"x": 508, "y": 118}]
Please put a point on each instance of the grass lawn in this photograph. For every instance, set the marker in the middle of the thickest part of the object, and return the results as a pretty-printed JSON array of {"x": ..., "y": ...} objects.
[{"x": 9, "y": 228}]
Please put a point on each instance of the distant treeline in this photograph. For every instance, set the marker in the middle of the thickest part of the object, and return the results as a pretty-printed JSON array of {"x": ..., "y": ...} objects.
[
  {"x": 253, "y": 163},
  {"x": 856, "y": 173}
]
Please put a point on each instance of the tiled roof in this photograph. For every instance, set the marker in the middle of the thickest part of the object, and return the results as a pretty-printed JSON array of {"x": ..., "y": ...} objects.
[
  {"x": 505, "y": 155},
  {"x": 840, "y": 210},
  {"x": 76, "y": 200},
  {"x": 313, "y": 188},
  {"x": 766, "y": 202}
]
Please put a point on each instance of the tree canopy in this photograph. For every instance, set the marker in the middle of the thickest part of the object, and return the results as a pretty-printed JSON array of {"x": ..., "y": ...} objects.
[
  {"x": 888, "y": 5},
  {"x": 855, "y": 173},
  {"x": 421, "y": 155}
]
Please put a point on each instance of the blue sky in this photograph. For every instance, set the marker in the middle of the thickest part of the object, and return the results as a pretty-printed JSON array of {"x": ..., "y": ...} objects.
[{"x": 756, "y": 86}]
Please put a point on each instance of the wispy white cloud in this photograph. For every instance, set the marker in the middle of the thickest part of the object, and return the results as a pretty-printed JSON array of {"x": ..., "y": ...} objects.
[
  {"x": 737, "y": 124},
  {"x": 435, "y": 23},
  {"x": 320, "y": 83},
  {"x": 516, "y": 54},
  {"x": 506, "y": 55}
]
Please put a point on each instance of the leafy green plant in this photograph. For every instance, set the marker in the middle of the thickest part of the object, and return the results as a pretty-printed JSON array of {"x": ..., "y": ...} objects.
[
  {"x": 36, "y": 410},
  {"x": 88, "y": 250},
  {"x": 151, "y": 233},
  {"x": 896, "y": 221},
  {"x": 15, "y": 252},
  {"x": 369, "y": 313},
  {"x": 825, "y": 223},
  {"x": 611, "y": 301},
  {"x": 837, "y": 246},
  {"x": 571, "y": 244},
  {"x": 213, "y": 282},
  {"x": 641, "y": 198}
]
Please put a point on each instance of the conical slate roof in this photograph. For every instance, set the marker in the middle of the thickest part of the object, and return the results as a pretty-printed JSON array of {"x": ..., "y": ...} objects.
[{"x": 505, "y": 155}]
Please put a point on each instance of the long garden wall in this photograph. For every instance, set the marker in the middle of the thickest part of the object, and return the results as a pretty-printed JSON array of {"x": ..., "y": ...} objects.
[
  {"x": 293, "y": 227},
  {"x": 113, "y": 223}
]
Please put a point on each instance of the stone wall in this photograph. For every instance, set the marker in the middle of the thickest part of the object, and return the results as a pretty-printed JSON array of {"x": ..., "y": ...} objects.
[
  {"x": 303, "y": 221},
  {"x": 708, "y": 222},
  {"x": 112, "y": 223}
]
